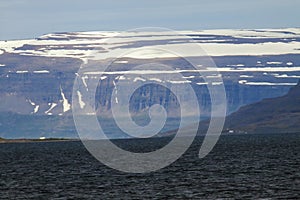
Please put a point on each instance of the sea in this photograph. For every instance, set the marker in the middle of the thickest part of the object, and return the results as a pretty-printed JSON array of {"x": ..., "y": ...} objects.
[{"x": 249, "y": 166}]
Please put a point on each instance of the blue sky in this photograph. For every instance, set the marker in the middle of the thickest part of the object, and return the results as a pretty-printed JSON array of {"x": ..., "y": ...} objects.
[{"x": 21, "y": 19}]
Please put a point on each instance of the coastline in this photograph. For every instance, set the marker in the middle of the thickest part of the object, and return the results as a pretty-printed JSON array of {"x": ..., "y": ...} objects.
[{"x": 5, "y": 141}]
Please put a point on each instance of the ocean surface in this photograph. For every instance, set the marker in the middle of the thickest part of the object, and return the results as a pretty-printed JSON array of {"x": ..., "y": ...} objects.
[{"x": 239, "y": 167}]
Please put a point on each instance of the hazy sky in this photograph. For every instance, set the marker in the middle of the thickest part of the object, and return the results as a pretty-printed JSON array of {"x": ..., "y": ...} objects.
[{"x": 32, "y": 18}]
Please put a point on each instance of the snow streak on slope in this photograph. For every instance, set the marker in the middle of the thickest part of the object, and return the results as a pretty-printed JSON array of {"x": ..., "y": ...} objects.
[{"x": 66, "y": 104}]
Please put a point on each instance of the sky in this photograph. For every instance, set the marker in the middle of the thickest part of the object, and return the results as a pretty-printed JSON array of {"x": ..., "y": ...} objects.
[{"x": 21, "y": 19}]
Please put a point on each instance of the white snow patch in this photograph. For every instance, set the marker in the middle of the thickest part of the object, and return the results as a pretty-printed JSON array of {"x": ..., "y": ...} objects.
[
  {"x": 151, "y": 53},
  {"x": 208, "y": 69},
  {"x": 66, "y": 105},
  {"x": 245, "y": 76},
  {"x": 201, "y": 83},
  {"x": 259, "y": 33},
  {"x": 274, "y": 63},
  {"x": 116, "y": 91},
  {"x": 121, "y": 61},
  {"x": 122, "y": 78},
  {"x": 155, "y": 79},
  {"x": 217, "y": 83},
  {"x": 52, "y": 105},
  {"x": 36, "y": 109},
  {"x": 189, "y": 77},
  {"x": 138, "y": 79},
  {"x": 286, "y": 76},
  {"x": 179, "y": 82},
  {"x": 11, "y": 45},
  {"x": 214, "y": 76},
  {"x": 81, "y": 103},
  {"x": 84, "y": 80},
  {"x": 21, "y": 72},
  {"x": 32, "y": 103},
  {"x": 275, "y": 74},
  {"x": 261, "y": 69},
  {"x": 268, "y": 48},
  {"x": 269, "y": 83},
  {"x": 242, "y": 81},
  {"x": 41, "y": 72}
]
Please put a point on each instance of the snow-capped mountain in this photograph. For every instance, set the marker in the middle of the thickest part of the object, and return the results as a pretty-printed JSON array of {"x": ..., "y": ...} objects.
[{"x": 37, "y": 75}]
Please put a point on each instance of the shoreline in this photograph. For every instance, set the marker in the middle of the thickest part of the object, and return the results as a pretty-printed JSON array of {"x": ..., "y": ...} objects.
[
  {"x": 24, "y": 140},
  {"x": 6, "y": 141}
]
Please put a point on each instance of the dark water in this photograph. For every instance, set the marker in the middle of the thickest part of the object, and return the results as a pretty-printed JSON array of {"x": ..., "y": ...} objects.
[{"x": 239, "y": 167}]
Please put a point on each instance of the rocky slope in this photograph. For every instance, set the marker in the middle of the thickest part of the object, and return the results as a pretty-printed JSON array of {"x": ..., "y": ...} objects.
[{"x": 275, "y": 115}]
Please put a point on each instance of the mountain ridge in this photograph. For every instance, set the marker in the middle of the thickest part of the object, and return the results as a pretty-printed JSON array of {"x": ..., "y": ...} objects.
[{"x": 37, "y": 75}]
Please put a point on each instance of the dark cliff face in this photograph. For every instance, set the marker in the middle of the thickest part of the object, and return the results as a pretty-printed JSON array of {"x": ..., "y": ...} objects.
[
  {"x": 281, "y": 114},
  {"x": 31, "y": 84},
  {"x": 47, "y": 83},
  {"x": 39, "y": 104}
]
